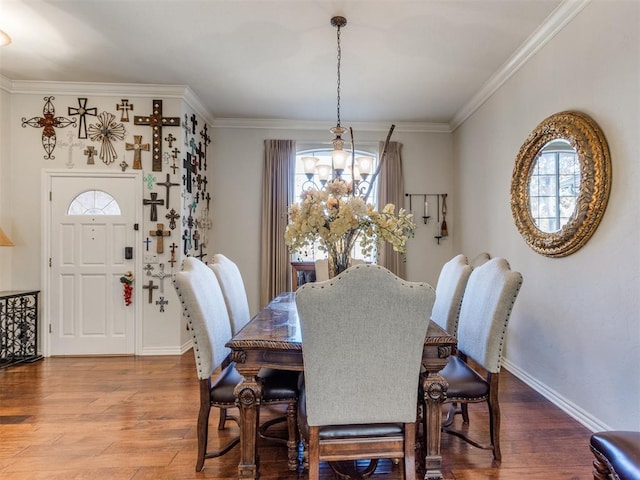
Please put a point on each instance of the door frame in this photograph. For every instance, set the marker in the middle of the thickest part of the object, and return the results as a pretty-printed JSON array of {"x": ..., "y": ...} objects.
[{"x": 46, "y": 183}]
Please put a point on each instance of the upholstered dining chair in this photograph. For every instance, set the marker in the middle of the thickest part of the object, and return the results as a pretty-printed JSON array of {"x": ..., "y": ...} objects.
[
  {"x": 233, "y": 291},
  {"x": 206, "y": 313},
  {"x": 449, "y": 291},
  {"x": 479, "y": 259},
  {"x": 486, "y": 307},
  {"x": 363, "y": 336},
  {"x": 617, "y": 455},
  {"x": 322, "y": 268}
]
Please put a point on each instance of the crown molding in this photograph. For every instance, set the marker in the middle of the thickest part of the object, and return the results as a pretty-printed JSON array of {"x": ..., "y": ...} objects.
[
  {"x": 289, "y": 124},
  {"x": 5, "y": 84},
  {"x": 556, "y": 21}
]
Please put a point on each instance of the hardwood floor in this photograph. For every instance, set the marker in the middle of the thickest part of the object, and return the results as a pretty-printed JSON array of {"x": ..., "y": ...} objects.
[{"x": 134, "y": 418}]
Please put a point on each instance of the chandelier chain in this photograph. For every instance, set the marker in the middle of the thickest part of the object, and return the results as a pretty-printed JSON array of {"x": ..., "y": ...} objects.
[{"x": 339, "y": 57}]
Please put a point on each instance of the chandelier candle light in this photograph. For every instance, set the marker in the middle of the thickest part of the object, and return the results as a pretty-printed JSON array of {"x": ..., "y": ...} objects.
[{"x": 336, "y": 213}]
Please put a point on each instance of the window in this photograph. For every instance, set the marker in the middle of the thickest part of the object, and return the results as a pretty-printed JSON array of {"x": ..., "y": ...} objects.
[
  {"x": 302, "y": 183},
  {"x": 554, "y": 186},
  {"x": 94, "y": 202}
]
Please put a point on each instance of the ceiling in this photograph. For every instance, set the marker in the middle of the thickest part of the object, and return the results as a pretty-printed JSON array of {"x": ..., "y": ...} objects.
[{"x": 402, "y": 61}]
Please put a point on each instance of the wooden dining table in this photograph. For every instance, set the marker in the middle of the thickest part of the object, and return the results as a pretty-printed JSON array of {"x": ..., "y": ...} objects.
[{"x": 273, "y": 339}]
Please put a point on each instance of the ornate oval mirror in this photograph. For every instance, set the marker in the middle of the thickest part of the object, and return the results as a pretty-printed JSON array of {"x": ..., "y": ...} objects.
[{"x": 561, "y": 183}]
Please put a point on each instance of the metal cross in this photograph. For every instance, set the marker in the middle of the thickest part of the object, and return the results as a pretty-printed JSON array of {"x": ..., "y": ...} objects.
[
  {"x": 185, "y": 127},
  {"x": 170, "y": 138},
  {"x": 173, "y": 248},
  {"x": 151, "y": 287},
  {"x": 154, "y": 201},
  {"x": 172, "y": 216},
  {"x": 48, "y": 122},
  {"x": 194, "y": 122},
  {"x": 167, "y": 184},
  {"x": 82, "y": 111},
  {"x": 137, "y": 146},
  {"x": 156, "y": 121},
  {"x": 148, "y": 268},
  {"x": 186, "y": 236},
  {"x": 201, "y": 255},
  {"x": 161, "y": 275},
  {"x": 125, "y": 107},
  {"x": 147, "y": 242},
  {"x": 162, "y": 302}
]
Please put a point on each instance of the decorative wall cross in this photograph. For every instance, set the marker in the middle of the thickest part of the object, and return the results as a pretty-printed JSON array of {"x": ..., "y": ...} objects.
[
  {"x": 151, "y": 287},
  {"x": 174, "y": 156},
  {"x": 172, "y": 216},
  {"x": 194, "y": 122},
  {"x": 106, "y": 131},
  {"x": 160, "y": 233},
  {"x": 149, "y": 180},
  {"x": 167, "y": 184},
  {"x": 148, "y": 268},
  {"x": 48, "y": 122},
  {"x": 153, "y": 201},
  {"x": 173, "y": 248},
  {"x": 186, "y": 245},
  {"x": 207, "y": 141},
  {"x": 147, "y": 242},
  {"x": 161, "y": 275},
  {"x": 90, "y": 152},
  {"x": 170, "y": 139},
  {"x": 201, "y": 255},
  {"x": 137, "y": 146},
  {"x": 189, "y": 167},
  {"x": 82, "y": 111},
  {"x": 157, "y": 121},
  {"x": 124, "y": 107},
  {"x": 185, "y": 127},
  {"x": 162, "y": 302},
  {"x": 71, "y": 144}
]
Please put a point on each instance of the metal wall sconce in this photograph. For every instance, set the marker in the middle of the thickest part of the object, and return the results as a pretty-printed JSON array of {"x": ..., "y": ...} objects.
[{"x": 441, "y": 230}]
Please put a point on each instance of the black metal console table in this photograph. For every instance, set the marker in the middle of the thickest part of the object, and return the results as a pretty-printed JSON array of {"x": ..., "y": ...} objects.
[{"x": 18, "y": 327}]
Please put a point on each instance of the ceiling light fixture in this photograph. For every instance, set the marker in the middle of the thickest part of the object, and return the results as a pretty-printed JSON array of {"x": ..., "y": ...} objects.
[
  {"x": 360, "y": 169},
  {"x": 5, "y": 39}
]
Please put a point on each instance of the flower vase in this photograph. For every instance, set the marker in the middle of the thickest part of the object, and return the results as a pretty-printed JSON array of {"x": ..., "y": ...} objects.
[
  {"x": 339, "y": 258},
  {"x": 338, "y": 264}
]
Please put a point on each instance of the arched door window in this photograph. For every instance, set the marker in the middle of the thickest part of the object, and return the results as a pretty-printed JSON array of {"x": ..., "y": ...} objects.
[{"x": 94, "y": 202}]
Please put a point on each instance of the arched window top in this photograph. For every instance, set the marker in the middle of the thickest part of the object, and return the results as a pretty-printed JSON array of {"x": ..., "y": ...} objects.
[{"x": 94, "y": 202}]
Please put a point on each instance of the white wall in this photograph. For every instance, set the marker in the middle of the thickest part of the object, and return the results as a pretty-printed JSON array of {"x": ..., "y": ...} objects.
[
  {"x": 5, "y": 197},
  {"x": 575, "y": 329},
  {"x": 238, "y": 158}
]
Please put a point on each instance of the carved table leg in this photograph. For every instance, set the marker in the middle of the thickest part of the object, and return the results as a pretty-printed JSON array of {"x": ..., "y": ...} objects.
[
  {"x": 248, "y": 397},
  {"x": 435, "y": 392}
]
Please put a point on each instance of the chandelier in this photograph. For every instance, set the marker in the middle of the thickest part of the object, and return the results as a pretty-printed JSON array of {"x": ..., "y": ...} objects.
[{"x": 360, "y": 168}]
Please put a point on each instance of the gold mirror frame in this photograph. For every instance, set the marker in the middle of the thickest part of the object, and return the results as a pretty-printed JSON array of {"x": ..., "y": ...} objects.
[{"x": 587, "y": 139}]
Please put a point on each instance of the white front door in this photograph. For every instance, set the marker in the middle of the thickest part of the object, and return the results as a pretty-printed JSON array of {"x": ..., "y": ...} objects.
[{"x": 91, "y": 222}]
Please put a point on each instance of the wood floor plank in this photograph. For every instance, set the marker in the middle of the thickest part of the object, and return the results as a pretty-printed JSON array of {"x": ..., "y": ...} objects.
[{"x": 134, "y": 418}]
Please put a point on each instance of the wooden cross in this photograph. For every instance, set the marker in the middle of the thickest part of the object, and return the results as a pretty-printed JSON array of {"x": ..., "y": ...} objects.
[
  {"x": 151, "y": 287},
  {"x": 204, "y": 181},
  {"x": 123, "y": 165},
  {"x": 157, "y": 121},
  {"x": 125, "y": 107},
  {"x": 208, "y": 198},
  {"x": 196, "y": 239},
  {"x": 82, "y": 111},
  {"x": 48, "y": 122},
  {"x": 161, "y": 275},
  {"x": 172, "y": 216},
  {"x": 167, "y": 184},
  {"x": 137, "y": 146},
  {"x": 194, "y": 122},
  {"x": 162, "y": 302},
  {"x": 173, "y": 247},
  {"x": 170, "y": 138},
  {"x": 90, "y": 152},
  {"x": 147, "y": 242},
  {"x": 160, "y": 233},
  {"x": 154, "y": 201},
  {"x": 199, "y": 181},
  {"x": 200, "y": 153}
]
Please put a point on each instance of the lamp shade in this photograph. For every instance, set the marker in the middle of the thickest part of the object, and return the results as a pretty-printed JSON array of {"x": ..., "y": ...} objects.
[{"x": 4, "y": 240}]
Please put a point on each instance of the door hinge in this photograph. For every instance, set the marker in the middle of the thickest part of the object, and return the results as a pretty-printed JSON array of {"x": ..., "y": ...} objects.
[
  {"x": 50, "y": 195},
  {"x": 49, "y": 328},
  {"x": 49, "y": 262}
]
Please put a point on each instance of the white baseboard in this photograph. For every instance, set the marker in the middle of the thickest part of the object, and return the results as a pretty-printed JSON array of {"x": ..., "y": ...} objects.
[
  {"x": 178, "y": 350},
  {"x": 558, "y": 400}
]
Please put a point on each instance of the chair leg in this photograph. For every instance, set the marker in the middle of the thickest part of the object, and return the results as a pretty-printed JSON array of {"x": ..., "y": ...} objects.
[
  {"x": 600, "y": 470},
  {"x": 292, "y": 439},
  {"x": 464, "y": 409},
  {"x": 410, "y": 451},
  {"x": 203, "y": 422},
  {"x": 223, "y": 419},
  {"x": 494, "y": 417},
  {"x": 314, "y": 453}
]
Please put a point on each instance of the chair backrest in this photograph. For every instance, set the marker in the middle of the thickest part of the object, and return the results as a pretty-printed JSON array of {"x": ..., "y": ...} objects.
[
  {"x": 206, "y": 313},
  {"x": 362, "y": 340},
  {"x": 233, "y": 291},
  {"x": 486, "y": 307},
  {"x": 480, "y": 259},
  {"x": 449, "y": 292},
  {"x": 322, "y": 268}
]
